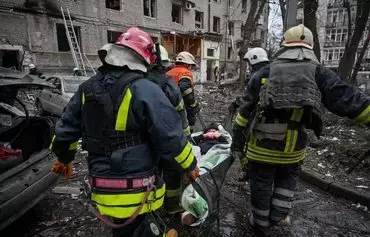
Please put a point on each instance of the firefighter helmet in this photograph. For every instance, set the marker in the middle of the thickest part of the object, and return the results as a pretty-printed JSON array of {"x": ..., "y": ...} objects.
[
  {"x": 185, "y": 57},
  {"x": 256, "y": 55},
  {"x": 32, "y": 66},
  {"x": 140, "y": 42},
  {"x": 298, "y": 36}
]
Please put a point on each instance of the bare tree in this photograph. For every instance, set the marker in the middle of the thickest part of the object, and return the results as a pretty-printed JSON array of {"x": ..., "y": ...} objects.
[
  {"x": 347, "y": 61},
  {"x": 309, "y": 10},
  {"x": 360, "y": 58},
  {"x": 282, "y": 4},
  {"x": 250, "y": 26}
]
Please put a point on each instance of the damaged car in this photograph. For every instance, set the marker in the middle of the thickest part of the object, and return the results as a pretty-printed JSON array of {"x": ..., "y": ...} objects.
[
  {"x": 25, "y": 160},
  {"x": 54, "y": 100}
]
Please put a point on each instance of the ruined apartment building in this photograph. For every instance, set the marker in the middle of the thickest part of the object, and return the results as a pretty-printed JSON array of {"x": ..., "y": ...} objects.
[{"x": 33, "y": 31}]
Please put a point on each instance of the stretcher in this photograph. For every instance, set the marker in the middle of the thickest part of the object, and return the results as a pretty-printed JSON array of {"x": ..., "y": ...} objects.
[{"x": 201, "y": 198}]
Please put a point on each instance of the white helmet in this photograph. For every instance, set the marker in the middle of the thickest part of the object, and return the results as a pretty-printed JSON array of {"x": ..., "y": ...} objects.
[
  {"x": 164, "y": 53},
  {"x": 256, "y": 55},
  {"x": 32, "y": 66},
  {"x": 298, "y": 36},
  {"x": 185, "y": 57},
  {"x": 75, "y": 69}
]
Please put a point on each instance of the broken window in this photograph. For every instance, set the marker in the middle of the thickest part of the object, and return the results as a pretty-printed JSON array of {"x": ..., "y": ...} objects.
[
  {"x": 176, "y": 13},
  {"x": 63, "y": 44},
  {"x": 113, "y": 4},
  {"x": 112, "y": 36},
  {"x": 231, "y": 28},
  {"x": 244, "y": 6},
  {"x": 231, "y": 3},
  {"x": 229, "y": 52},
  {"x": 210, "y": 52},
  {"x": 242, "y": 30},
  {"x": 217, "y": 1},
  {"x": 150, "y": 8},
  {"x": 216, "y": 24},
  {"x": 199, "y": 20}
]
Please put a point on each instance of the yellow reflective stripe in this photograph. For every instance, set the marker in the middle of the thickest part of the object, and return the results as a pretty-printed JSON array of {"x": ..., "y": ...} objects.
[
  {"x": 187, "y": 163},
  {"x": 187, "y": 92},
  {"x": 184, "y": 154},
  {"x": 73, "y": 146},
  {"x": 241, "y": 121},
  {"x": 83, "y": 98},
  {"x": 364, "y": 117},
  {"x": 292, "y": 135},
  {"x": 274, "y": 160},
  {"x": 114, "y": 204},
  {"x": 180, "y": 106},
  {"x": 263, "y": 80},
  {"x": 173, "y": 192},
  {"x": 51, "y": 143},
  {"x": 187, "y": 131},
  {"x": 122, "y": 115},
  {"x": 194, "y": 104},
  {"x": 253, "y": 148}
]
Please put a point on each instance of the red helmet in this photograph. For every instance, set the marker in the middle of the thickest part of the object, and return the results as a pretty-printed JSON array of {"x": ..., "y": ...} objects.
[{"x": 140, "y": 42}]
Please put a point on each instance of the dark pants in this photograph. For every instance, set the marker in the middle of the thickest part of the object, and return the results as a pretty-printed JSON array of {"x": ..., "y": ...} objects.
[
  {"x": 129, "y": 230},
  {"x": 172, "y": 176},
  {"x": 272, "y": 190}
]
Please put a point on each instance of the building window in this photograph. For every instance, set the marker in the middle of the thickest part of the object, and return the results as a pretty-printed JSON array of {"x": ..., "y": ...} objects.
[
  {"x": 216, "y": 24},
  {"x": 217, "y": 1},
  {"x": 229, "y": 52},
  {"x": 150, "y": 8},
  {"x": 113, "y": 4},
  {"x": 63, "y": 44},
  {"x": 210, "y": 52},
  {"x": 242, "y": 30},
  {"x": 199, "y": 20},
  {"x": 231, "y": 3},
  {"x": 112, "y": 36},
  {"x": 244, "y": 6},
  {"x": 176, "y": 13},
  {"x": 231, "y": 28}
]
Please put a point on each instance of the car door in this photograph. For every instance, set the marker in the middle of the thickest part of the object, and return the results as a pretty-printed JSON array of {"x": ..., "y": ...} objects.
[
  {"x": 61, "y": 99},
  {"x": 55, "y": 97},
  {"x": 45, "y": 97}
]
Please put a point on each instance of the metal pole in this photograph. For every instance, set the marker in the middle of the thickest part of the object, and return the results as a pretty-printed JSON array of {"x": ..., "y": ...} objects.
[
  {"x": 226, "y": 34},
  {"x": 291, "y": 14}
]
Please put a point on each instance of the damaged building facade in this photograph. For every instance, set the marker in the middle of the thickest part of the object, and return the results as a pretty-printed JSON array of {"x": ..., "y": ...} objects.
[{"x": 33, "y": 31}]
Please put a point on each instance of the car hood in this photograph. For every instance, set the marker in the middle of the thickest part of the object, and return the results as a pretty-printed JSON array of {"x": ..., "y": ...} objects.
[
  {"x": 69, "y": 95},
  {"x": 11, "y": 81}
]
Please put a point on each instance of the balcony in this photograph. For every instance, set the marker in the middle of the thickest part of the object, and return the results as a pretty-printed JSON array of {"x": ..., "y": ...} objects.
[
  {"x": 338, "y": 4},
  {"x": 334, "y": 44}
]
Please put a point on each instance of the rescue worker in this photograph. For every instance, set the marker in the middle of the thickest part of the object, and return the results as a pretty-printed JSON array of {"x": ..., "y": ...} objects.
[
  {"x": 183, "y": 77},
  {"x": 256, "y": 58},
  {"x": 172, "y": 176},
  {"x": 35, "y": 72},
  {"x": 127, "y": 125},
  {"x": 77, "y": 72},
  {"x": 281, "y": 100}
]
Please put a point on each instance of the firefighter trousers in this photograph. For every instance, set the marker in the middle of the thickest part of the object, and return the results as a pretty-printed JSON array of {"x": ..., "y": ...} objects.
[
  {"x": 272, "y": 190},
  {"x": 173, "y": 177}
]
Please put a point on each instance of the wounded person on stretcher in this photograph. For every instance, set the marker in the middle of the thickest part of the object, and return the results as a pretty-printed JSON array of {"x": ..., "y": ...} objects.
[{"x": 210, "y": 137}]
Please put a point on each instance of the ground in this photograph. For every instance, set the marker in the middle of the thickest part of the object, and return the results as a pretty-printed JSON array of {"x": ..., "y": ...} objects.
[{"x": 315, "y": 213}]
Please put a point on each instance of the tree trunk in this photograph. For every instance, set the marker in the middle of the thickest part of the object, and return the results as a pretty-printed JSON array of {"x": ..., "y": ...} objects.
[
  {"x": 310, "y": 8},
  {"x": 348, "y": 59},
  {"x": 282, "y": 4},
  {"x": 249, "y": 27},
  {"x": 359, "y": 59}
]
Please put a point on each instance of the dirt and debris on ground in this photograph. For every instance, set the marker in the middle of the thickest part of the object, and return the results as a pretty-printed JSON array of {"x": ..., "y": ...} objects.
[{"x": 315, "y": 213}]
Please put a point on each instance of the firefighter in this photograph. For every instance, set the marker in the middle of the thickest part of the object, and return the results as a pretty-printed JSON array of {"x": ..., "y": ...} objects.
[
  {"x": 77, "y": 72},
  {"x": 35, "y": 72},
  {"x": 183, "y": 77},
  {"x": 127, "y": 125},
  {"x": 281, "y": 100},
  {"x": 172, "y": 176},
  {"x": 256, "y": 58}
]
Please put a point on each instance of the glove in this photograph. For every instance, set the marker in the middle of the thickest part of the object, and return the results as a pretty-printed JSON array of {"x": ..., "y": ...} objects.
[
  {"x": 193, "y": 175},
  {"x": 62, "y": 169},
  {"x": 233, "y": 107},
  {"x": 238, "y": 141}
]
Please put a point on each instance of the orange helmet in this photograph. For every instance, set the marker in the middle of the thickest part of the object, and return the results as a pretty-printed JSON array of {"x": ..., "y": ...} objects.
[{"x": 140, "y": 42}]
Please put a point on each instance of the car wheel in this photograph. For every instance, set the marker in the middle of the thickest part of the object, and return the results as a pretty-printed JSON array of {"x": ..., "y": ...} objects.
[{"x": 40, "y": 108}]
